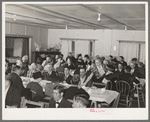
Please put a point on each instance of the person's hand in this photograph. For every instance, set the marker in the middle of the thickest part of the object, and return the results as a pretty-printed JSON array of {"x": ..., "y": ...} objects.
[{"x": 64, "y": 82}]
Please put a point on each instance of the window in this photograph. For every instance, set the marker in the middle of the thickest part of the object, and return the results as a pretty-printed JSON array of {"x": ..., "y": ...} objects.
[
  {"x": 17, "y": 46},
  {"x": 132, "y": 50}
]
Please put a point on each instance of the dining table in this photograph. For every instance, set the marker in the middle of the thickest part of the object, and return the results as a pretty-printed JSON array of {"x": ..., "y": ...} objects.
[{"x": 96, "y": 94}]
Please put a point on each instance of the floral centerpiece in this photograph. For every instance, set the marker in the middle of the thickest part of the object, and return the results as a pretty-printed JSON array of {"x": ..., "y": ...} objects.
[{"x": 53, "y": 47}]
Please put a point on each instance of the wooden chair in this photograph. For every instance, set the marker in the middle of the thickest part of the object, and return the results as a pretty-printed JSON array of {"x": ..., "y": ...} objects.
[
  {"x": 94, "y": 103},
  {"x": 37, "y": 104},
  {"x": 108, "y": 85},
  {"x": 124, "y": 89},
  {"x": 139, "y": 94}
]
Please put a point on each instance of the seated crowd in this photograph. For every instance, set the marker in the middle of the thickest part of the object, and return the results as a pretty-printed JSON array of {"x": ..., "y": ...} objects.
[{"x": 77, "y": 72}]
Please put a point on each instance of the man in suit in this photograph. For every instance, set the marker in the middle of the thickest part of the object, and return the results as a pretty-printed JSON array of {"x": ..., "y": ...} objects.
[
  {"x": 16, "y": 80},
  {"x": 70, "y": 55},
  {"x": 58, "y": 101},
  {"x": 12, "y": 95},
  {"x": 121, "y": 60},
  {"x": 73, "y": 90},
  {"x": 49, "y": 74},
  {"x": 111, "y": 75},
  {"x": 85, "y": 78},
  {"x": 128, "y": 77},
  {"x": 67, "y": 78},
  {"x": 87, "y": 62},
  {"x": 120, "y": 69}
]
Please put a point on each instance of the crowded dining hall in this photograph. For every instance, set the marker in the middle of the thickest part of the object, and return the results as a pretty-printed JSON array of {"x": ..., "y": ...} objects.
[{"x": 75, "y": 56}]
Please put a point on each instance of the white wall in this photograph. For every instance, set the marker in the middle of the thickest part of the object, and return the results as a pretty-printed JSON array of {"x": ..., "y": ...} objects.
[{"x": 107, "y": 39}]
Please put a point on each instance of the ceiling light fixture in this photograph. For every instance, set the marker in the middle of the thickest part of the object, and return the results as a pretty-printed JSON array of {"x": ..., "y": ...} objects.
[
  {"x": 125, "y": 28},
  {"x": 99, "y": 17},
  {"x": 66, "y": 27},
  {"x": 14, "y": 18}
]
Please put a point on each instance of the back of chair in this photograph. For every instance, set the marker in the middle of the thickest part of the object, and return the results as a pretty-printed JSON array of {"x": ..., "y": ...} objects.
[
  {"x": 37, "y": 104},
  {"x": 109, "y": 85},
  {"x": 49, "y": 89},
  {"x": 123, "y": 88}
]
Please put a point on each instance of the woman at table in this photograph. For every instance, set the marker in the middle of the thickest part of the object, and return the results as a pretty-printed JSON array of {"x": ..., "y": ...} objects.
[
  {"x": 69, "y": 62},
  {"x": 73, "y": 90},
  {"x": 35, "y": 87},
  {"x": 32, "y": 69}
]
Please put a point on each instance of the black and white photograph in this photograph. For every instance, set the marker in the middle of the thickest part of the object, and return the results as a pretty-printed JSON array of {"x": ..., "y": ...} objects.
[{"x": 75, "y": 60}]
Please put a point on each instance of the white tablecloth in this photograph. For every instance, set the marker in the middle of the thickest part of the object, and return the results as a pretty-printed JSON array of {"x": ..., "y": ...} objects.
[
  {"x": 95, "y": 94},
  {"x": 108, "y": 96},
  {"x": 27, "y": 80}
]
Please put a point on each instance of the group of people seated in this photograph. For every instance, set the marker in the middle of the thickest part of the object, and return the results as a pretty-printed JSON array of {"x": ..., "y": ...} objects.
[{"x": 78, "y": 72}]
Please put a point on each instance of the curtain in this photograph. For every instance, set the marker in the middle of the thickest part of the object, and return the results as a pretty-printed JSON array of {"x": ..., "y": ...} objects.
[
  {"x": 25, "y": 47},
  {"x": 128, "y": 50},
  {"x": 18, "y": 47},
  {"x": 142, "y": 52},
  {"x": 9, "y": 47}
]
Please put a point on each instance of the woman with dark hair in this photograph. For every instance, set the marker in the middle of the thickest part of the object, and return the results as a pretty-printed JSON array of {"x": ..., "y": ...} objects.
[
  {"x": 69, "y": 63},
  {"x": 80, "y": 62}
]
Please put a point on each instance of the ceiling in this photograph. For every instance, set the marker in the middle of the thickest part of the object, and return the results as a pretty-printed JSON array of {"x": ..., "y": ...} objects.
[{"x": 78, "y": 16}]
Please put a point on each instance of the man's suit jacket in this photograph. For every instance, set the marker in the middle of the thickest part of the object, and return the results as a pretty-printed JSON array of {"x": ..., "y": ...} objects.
[
  {"x": 129, "y": 79},
  {"x": 17, "y": 82},
  {"x": 72, "y": 91},
  {"x": 68, "y": 79},
  {"x": 112, "y": 77},
  {"x": 136, "y": 73},
  {"x": 63, "y": 104},
  {"x": 13, "y": 97},
  {"x": 50, "y": 77}
]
